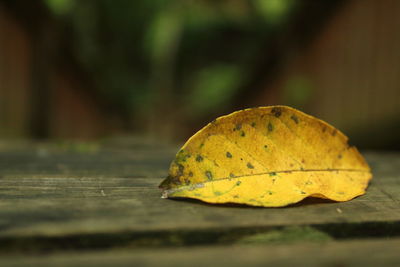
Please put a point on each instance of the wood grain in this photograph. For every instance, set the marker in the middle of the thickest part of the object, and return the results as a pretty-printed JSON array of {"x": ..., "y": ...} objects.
[
  {"x": 85, "y": 197},
  {"x": 347, "y": 253}
]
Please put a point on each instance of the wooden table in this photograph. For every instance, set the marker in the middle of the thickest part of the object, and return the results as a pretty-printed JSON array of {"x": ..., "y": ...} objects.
[{"x": 87, "y": 204}]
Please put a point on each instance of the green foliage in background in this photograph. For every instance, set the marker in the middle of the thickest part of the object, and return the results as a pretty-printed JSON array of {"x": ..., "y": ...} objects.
[
  {"x": 297, "y": 91},
  {"x": 60, "y": 7},
  {"x": 196, "y": 54},
  {"x": 212, "y": 87}
]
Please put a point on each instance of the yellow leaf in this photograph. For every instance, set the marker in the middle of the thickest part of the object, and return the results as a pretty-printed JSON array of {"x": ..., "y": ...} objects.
[{"x": 267, "y": 156}]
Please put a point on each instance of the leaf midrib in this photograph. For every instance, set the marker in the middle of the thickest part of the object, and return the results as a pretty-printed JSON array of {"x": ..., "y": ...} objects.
[{"x": 196, "y": 185}]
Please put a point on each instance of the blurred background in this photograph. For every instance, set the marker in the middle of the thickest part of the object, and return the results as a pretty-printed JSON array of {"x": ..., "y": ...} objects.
[{"x": 162, "y": 69}]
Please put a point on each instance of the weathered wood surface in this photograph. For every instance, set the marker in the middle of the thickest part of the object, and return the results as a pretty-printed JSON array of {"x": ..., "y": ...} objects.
[
  {"x": 348, "y": 253},
  {"x": 57, "y": 193},
  {"x": 90, "y": 196}
]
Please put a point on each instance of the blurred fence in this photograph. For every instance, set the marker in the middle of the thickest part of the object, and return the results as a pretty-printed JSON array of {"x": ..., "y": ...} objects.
[
  {"x": 15, "y": 77},
  {"x": 349, "y": 74},
  {"x": 39, "y": 98}
]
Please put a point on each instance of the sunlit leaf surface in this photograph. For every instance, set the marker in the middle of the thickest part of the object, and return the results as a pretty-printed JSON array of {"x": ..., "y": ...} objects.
[{"x": 267, "y": 156}]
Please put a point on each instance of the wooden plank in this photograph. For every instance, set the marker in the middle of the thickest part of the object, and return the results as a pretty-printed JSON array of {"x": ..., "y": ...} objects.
[
  {"x": 345, "y": 253},
  {"x": 129, "y": 159},
  {"x": 115, "y": 191}
]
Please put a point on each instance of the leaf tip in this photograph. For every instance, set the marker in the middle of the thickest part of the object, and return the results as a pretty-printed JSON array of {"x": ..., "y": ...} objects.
[{"x": 164, "y": 194}]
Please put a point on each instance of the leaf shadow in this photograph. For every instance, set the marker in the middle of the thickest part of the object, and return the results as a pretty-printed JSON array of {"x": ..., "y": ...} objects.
[
  {"x": 214, "y": 205},
  {"x": 309, "y": 201}
]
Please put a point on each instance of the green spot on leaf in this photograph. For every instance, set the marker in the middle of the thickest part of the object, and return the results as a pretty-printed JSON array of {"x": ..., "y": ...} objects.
[
  {"x": 181, "y": 157},
  {"x": 295, "y": 119},
  {"x": 199, "y": 158},
  {"x": 270, "y": 127},
  {"x": 209, "y": 175}
]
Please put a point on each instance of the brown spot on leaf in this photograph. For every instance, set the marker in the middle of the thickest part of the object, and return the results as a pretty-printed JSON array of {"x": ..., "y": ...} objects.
[
  {"x": 277, "y": 112},
  {"x": 250, "y": 166},
  {"x": 253, "y": 124},
  {"x": 228, "y": 154},
  {"x": 242, "y": 134}
]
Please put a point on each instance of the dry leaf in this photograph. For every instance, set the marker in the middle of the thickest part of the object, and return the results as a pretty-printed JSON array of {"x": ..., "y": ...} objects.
[{"x": 267, "y": 156}]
